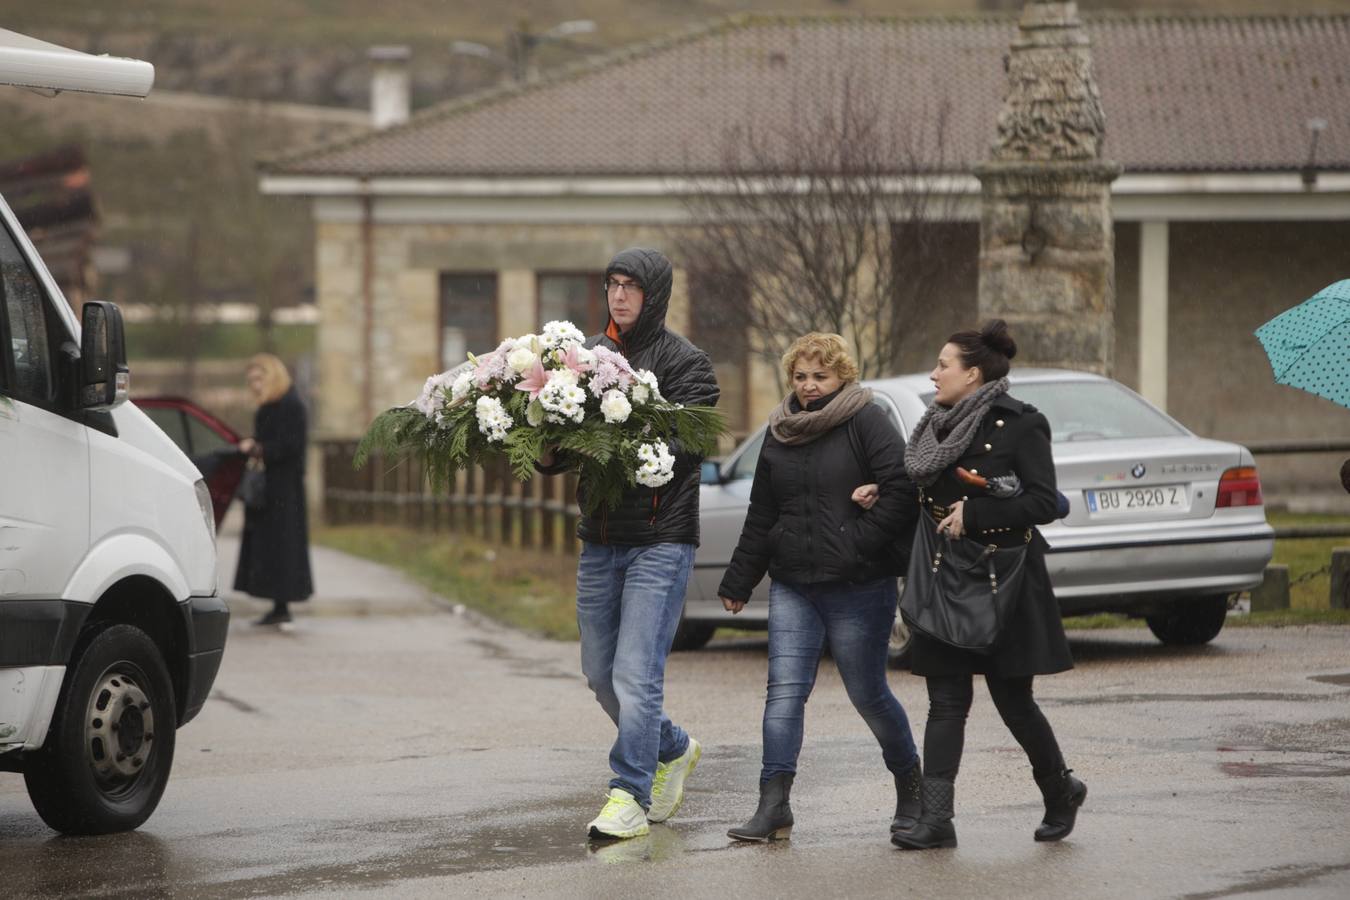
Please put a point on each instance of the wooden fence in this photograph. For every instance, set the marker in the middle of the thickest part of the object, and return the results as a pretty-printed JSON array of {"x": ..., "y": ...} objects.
[{"x": 486, "y": 502}]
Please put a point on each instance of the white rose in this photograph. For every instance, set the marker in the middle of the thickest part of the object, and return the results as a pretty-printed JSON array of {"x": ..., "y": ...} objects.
[
  {"x": 615, "y": 407},
  {"x": 521, "y": 358}
]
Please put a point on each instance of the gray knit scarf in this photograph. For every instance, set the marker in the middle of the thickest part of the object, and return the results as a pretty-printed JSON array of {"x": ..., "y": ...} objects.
[
  {"x": 795, "y": 427},
  {"x": 944, "y": 433}
]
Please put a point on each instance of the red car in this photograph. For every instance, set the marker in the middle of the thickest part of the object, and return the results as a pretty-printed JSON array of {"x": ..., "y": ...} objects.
[{"x": 211, "y": 444}]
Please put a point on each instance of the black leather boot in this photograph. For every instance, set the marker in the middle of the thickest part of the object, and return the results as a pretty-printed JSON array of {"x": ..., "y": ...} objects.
[
  {"x": 934, "y": 828},
  {"x": 1063, "y": 795},
  {"x": 908, "y": 798},
  {"x": 773, "y": 820}
]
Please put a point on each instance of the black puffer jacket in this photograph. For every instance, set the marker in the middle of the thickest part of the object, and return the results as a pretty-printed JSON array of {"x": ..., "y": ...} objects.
[
  {"x": 803, "y": 527},
  {"x": 668, "y": 514}
]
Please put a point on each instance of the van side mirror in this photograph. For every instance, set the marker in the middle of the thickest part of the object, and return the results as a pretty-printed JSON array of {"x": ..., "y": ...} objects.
[
  {"x": 710, "y": 473},
  {"x": 104, "y": 378}
]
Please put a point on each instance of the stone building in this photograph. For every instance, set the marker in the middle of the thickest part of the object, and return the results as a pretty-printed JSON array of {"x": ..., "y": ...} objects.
[{"x": 487, "y": 215}]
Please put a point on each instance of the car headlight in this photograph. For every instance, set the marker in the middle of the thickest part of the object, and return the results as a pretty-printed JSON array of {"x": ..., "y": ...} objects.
[{"x": 207, "y": 508}]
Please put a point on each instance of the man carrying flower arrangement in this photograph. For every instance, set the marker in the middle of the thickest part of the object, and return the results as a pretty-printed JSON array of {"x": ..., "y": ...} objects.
[{"x": 637, "y": 554}]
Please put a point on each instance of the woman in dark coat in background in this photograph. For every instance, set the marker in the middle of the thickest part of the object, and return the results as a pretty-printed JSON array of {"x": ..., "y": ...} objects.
[
  {"x": 274, "y": 550},
  {"x": 975, "y": 427}
]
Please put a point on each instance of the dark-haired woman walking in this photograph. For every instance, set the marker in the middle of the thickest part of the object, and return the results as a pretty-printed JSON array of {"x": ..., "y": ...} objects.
[{"x": 976, "y": 430}]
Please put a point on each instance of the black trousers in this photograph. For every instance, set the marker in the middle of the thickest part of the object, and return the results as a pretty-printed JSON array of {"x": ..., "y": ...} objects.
[{"x": 949, "y": 698}]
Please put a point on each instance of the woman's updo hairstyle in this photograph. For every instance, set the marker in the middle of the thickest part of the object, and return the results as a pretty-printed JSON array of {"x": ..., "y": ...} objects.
[{"x": 990, "y": 349}]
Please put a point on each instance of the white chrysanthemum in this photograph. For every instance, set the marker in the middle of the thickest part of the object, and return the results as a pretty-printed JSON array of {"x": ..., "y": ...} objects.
[
  {"x": 462, "y": 384},
  {"x": 521, "y": 358},
  {"x": 563, "y": 376},
  {"x": 646, "y": 387},
  {"x": 559, "y": 333},
  {"x": 656, "y": 464},
  {"x": 614, "y": 406},
  {"x": 493, "y": 420}
]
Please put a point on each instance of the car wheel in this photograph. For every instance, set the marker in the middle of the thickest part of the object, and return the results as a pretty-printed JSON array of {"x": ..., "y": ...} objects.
[
  {"x": 898, "y": 647},
  {"x": 1188, "y": 624},
  {"x": 692, "y": 635},
  {"x": 107, "y": 756}
]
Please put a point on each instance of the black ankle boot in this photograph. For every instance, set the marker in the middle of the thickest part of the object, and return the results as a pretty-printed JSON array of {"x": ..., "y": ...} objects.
[
  {"x": 773, "y": 820},
  {"x": 908, "y": 798},
  {"x": 934, "y": 828},
  {"x": 1063, "y": 795}
]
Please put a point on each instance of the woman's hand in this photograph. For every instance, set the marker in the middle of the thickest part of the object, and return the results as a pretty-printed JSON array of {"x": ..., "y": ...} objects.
[
  {"x": 866, "y": 495},
  {"x": 954, "y": 524},
  {"x": 249, "y": 447},
  {"x": 732, "y": 606}
]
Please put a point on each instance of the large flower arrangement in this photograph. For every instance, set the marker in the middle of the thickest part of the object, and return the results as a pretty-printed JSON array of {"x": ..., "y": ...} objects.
[{"x": 543, "y": 391}]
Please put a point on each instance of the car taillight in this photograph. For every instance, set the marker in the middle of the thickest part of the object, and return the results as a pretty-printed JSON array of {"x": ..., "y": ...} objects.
[{"x": 1239, "y": 487}]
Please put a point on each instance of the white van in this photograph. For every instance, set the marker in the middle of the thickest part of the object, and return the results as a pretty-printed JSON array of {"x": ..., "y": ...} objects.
[{"x": 111, "y": 628}]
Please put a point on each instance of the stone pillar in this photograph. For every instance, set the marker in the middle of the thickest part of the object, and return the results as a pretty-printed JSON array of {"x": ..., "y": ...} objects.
[{"x": 1046, "y": 235}]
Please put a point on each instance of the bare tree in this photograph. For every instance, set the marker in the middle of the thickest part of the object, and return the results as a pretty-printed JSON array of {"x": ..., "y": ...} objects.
[{"x": 822, "y": 223}]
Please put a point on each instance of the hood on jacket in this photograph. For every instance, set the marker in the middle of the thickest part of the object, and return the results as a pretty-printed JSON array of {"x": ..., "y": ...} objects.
[{"x": 651, "y": 269}]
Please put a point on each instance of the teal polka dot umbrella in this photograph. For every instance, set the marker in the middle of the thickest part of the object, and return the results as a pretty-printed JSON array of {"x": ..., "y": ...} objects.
[{"x": 1309, "y": 345}]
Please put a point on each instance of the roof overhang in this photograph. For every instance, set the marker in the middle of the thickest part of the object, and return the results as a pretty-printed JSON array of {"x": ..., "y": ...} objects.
[
  {"x": 28, "y": 62},
  {"x": 1198, "y": 196}
]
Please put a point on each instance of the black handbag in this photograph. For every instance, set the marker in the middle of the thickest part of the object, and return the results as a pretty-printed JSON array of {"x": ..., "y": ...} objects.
[
  {"x": 252, "y": 490},
  {"x": 959, "y": 591}
]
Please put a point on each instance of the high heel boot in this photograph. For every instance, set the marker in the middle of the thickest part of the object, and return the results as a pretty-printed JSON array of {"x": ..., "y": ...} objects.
[{"x": 773, "y": 820}]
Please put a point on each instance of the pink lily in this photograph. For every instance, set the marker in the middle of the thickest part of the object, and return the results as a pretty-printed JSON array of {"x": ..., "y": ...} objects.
[
  {"x": 572, "y": 359},
  {"x": 533, "y": 380}
]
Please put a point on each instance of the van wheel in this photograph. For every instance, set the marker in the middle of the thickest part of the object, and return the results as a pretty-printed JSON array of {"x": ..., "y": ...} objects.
[
  {"x": 1195, "y": 622},
  {"x": 692, "y": 635},
  {"x": 107, "y": 756}
]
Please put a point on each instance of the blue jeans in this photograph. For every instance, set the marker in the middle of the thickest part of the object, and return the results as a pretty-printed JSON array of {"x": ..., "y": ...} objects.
[
  {"x": 629, "y": 601},
  {"x": 856, "y": 619}
]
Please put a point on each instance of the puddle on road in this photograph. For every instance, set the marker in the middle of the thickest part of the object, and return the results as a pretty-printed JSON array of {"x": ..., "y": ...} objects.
[
  {"x": 1275, "y": 878},
  {"x": 1239, "y": 696},
  {"x": 1342, "y": 678}
]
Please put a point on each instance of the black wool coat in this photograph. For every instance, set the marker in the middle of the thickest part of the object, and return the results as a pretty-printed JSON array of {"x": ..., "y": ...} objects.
[
  {"x": 668, "y": 514},
  {"x": 802, "y": 525},
  {"x": 274, "y": 549},
  {"x": 1013, "y": 438}
]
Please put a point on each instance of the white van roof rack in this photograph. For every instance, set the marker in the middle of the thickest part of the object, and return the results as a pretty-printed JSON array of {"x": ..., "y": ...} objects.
[{"x": 28, "y": 62}]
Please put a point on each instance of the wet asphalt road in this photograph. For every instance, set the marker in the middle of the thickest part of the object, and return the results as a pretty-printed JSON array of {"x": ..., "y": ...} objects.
[{"x": 389, "y": 747}]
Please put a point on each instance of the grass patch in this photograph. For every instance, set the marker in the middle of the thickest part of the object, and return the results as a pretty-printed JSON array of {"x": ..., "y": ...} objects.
[
  {"x": 526, "y": 589},
  {"x": 1100, "y": 621},
  {"x": 1308, "y": 560},
  {"x": 1283, "y": 618}
]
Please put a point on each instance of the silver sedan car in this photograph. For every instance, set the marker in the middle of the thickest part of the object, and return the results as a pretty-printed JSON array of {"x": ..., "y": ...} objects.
[{"x": 1162, "y": 523}]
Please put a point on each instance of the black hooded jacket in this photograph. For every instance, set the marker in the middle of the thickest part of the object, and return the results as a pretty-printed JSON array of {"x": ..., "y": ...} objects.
[{"x": 668, "y": 514}]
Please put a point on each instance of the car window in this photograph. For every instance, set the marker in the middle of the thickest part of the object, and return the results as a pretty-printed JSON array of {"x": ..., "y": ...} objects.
[
  {"x": 26, "y": 320},
  {"x": 172, "y": 423},
  {"x": 744, "y": 466},
  {"x": 1092, "y": 411},
  {"x": 204, "y": 438}
]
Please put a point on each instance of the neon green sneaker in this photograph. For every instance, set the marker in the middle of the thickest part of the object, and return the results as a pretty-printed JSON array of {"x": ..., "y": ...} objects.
[
  {"x": 668, "y": 784},
  {"x": 621, "y": 817}
]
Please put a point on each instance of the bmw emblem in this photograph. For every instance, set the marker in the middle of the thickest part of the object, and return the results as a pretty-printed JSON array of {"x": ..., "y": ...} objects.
[{"x": 1138, "y": 470}]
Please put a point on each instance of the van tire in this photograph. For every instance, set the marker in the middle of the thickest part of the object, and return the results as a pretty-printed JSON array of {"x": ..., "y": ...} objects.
[
  {"x": 109, "y": 750},
  {"x": 1192, "y": 623}
]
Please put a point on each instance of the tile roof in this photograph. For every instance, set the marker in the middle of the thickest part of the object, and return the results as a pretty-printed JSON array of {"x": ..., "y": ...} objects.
[{"x": 1180, "y": 92}]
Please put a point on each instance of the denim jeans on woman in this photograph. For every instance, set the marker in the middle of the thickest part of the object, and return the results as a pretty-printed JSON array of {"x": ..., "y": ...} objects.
[
  {"x": 855, "y": 620},
  {"x": 629, "y": 601}
]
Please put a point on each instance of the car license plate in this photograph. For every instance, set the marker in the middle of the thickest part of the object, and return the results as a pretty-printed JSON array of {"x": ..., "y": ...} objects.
[{"x": 1119, "y": 501}]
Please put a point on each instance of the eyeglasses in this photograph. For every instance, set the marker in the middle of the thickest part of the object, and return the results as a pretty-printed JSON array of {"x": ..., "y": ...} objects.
[{"x": 627, "y": 287}]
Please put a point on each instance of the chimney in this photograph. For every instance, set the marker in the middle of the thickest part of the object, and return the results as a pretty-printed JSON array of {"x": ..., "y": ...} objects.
[{"x": 390, "y": 85}]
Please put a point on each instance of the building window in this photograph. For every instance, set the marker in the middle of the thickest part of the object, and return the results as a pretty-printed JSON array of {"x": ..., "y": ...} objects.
[
  {"x": 468, "y": 315},
  {"x": 575, "y": 297}
]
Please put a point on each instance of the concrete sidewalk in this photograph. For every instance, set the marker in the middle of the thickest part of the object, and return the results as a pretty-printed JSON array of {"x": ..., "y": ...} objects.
[{"x": 344, "y": 585}]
